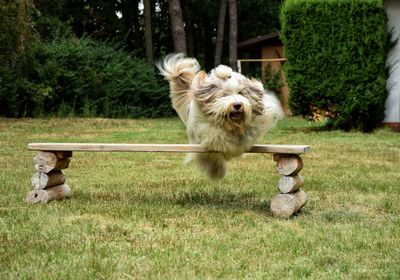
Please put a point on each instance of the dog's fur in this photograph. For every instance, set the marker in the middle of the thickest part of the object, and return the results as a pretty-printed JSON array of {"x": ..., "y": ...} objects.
[{"x": 223, "y": 111}]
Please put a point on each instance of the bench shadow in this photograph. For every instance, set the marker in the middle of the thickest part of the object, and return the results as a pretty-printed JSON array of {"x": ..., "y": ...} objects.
[{"x": 218, "y": 198}]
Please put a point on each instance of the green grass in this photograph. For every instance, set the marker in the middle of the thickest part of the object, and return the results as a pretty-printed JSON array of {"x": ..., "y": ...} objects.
[{"x": 149, "y": 216}]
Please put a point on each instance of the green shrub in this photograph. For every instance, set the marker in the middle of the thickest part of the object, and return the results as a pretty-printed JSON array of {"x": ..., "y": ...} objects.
[
  {"x": 336, "y": 52},
  {"x": 16, "y": 33},
  {"x": 82, "y": 78},
  {"x": 273, "y": 79}
]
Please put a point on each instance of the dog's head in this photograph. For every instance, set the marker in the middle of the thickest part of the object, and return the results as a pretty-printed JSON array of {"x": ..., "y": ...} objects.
[{"x": 228, "y": 98}]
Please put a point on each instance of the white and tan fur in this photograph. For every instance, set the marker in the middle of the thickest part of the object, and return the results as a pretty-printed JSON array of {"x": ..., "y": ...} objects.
[{"x": 223, "y": 111}]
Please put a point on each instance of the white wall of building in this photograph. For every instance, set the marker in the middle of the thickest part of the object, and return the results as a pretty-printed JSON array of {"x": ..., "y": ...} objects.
[{"x": 392, "y": 111}]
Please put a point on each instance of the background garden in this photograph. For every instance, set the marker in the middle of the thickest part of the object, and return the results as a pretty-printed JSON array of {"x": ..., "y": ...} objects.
[{"x": 96, "y": 58}]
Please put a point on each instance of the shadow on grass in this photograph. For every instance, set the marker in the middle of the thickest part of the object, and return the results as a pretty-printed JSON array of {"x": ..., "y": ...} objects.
[
  {"x": 214, "y": 199},
  {"x": 311, "y": 129},
  {"x": 220, "y": 198}
]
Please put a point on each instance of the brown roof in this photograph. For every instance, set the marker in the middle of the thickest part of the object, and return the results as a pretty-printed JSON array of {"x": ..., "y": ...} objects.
[{"x": 259, "y": 41}]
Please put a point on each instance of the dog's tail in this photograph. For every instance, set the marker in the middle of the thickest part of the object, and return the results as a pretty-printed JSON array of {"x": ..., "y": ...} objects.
[
  {"x": 272, "y": 109},
  {"x": 179, "y": 70}
]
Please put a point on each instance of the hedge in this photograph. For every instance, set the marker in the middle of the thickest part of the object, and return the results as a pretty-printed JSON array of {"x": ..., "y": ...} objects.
[
  {"x": 71, "y": 77},
  {"x": 336, "y": 51}
]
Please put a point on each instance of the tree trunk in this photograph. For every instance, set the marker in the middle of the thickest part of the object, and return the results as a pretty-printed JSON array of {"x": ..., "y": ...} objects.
[
  {"x": 48, "y": 161},
  {"x": 58, "y": 192},
  {"x": 189, "y": 29},
  {"x": 233, "y": 22},
  {"x": 43, "y": 180},
  {"x": 285, "y": 205},
  {"x": 22, "y": 24},
  {"x": 208, "y": 44},
  {"x": 178, "y": 31},
  {"x": 289, "y": 184},
  {"x": 288, "y": 164},
  {"x": 220, "y": 33},
  {"x": 135, "y": 25},
  {"x": 147, "y": 30}
]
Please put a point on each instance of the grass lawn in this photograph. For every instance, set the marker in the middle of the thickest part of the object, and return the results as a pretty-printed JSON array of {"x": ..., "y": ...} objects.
[{"x": 145, "y": 215}]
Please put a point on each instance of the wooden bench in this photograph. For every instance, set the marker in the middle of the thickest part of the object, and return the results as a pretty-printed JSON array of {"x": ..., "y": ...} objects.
[{"x": 49, "y": 181}]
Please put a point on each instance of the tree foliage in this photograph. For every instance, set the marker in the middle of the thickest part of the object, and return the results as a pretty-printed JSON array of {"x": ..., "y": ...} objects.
[
  {"x": 82, "y": 78},
  {"x": 123, "y": 21},
  {"x": 87, "y": 57}
]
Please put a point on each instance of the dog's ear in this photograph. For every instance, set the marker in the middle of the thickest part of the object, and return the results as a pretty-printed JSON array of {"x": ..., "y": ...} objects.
[
  {"x": 256, "y": 88},
  {"x": 202, "y": 88},
  {"x": 257, "y": 85}
]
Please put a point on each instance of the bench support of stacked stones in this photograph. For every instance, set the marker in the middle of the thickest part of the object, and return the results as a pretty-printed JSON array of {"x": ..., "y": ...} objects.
[{"x": 49, "y": 181}]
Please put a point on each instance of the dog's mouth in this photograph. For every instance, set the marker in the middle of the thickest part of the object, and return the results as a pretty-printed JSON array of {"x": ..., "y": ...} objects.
[{"x": 236, "y": 115}]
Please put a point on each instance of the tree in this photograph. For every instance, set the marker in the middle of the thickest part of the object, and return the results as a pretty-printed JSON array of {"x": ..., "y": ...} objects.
[
  {"x": 178, "y": 31},
  {"x": 188, "y": 18},
  {"x": 233, "y": 31},
  {"x": 147, "y": 31},
  {"x": 132, "y": 25},
  {"x": 220, "y": 33},
  {"x": 257, "y": 17},
  {"x": 23, "y": 22}
]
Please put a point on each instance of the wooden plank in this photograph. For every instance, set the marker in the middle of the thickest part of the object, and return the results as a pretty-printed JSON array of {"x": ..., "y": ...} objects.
[
  {"x": 280, "y": 149},
  {"x": 262, "y": 60},
  {"x": 176, "y": 148}
]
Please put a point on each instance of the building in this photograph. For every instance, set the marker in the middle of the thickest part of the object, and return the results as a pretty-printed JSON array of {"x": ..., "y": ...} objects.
[
  {"x": 267, "y": 50},
  {"x": 392, "y": 111}
]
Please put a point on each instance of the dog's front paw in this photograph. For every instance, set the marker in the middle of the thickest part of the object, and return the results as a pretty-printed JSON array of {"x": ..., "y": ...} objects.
[{"x": 213, "y": 165}]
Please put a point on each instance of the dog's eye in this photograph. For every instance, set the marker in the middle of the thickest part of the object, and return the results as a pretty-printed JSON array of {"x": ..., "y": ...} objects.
[
  {"x": 256, "y": 92},
  {"x": 244, "y": 93}
]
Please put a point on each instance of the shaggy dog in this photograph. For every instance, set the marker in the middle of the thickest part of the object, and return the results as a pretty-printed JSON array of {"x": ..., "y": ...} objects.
[{"x": 223, "y": 111}]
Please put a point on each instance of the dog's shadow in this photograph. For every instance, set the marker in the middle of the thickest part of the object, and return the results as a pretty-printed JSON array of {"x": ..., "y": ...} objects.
[
  {"x": 214, "y": 198},
  {"x": 219, "y": 199}
]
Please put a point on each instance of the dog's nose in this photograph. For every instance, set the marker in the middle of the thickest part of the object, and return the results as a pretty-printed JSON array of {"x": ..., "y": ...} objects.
[{"x": 237, "y": 106}]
